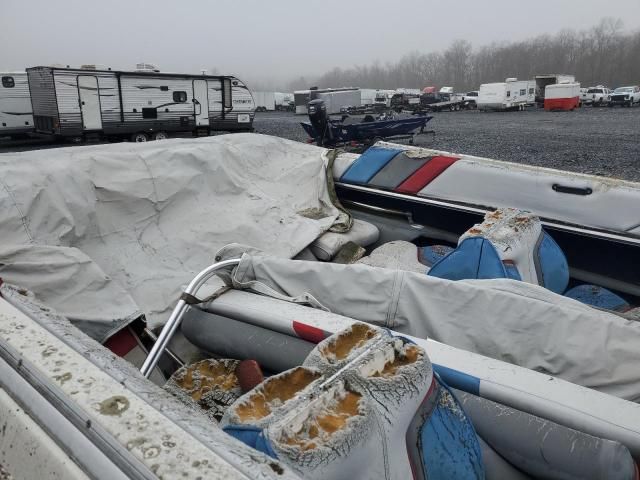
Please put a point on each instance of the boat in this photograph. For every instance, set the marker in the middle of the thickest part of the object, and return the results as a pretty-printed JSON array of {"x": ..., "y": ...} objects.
[
  {"x": 329, "y": 132},
  {"x": 200, "y": 307}
]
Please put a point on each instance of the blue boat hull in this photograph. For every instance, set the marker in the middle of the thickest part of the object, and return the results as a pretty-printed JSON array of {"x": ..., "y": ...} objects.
[{"x": 359, "y": 132}]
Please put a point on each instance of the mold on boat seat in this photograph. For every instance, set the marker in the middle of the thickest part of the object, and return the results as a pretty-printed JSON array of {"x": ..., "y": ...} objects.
[
  {"x": 377, "y": 404},
  {"x": 327, "y": 245},
  {"x": 210, "y": 384}
]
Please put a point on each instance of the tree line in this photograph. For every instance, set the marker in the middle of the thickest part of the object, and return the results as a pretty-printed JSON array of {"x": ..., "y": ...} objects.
[{"x": 603, "y": 54}]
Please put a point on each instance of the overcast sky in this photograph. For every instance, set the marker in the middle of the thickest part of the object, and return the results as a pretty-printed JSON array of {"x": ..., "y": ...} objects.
[{"x": 273, "y": 39}]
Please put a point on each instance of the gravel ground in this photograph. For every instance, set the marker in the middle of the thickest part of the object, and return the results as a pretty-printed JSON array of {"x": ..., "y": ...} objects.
[{"x": 598, "y": 141}]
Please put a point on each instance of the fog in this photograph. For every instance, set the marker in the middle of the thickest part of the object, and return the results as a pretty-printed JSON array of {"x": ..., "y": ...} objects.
[{"x": 270, "y": 43}]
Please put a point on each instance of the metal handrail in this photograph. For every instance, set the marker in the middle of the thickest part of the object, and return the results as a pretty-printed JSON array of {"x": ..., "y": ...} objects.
[{"x": 176, "y": 316}]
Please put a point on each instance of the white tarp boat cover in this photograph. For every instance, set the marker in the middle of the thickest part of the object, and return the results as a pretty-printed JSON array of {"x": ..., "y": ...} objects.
[
  {"x": 103, "y": 233},
  {"x": 508, "y": 320}
]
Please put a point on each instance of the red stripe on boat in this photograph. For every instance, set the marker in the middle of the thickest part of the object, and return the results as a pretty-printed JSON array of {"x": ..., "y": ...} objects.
[
  {"x": 121, "y": 342},
  {"x": 309, "y": 333},
  {"x": 425, "y": 174}
]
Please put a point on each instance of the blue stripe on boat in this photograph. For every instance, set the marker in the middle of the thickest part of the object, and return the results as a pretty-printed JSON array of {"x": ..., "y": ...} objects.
[
  {"x": 368, "y": 164},
  {"x": 457, "y": 379}
]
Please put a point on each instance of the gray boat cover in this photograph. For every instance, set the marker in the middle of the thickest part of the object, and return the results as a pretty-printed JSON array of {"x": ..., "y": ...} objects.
[
  {"x": 508, "y": 320},
  {"x": 105, "y": 232}
]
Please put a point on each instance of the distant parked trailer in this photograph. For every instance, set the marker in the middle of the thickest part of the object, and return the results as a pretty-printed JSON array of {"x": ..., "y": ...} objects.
[
  {"x": 367, "y": 97},
  {"x": 549, "y": 79},
  {"x": 141, "y": 105},
  {"x": 334, "y": 98},
  {"x": 562, "y": 97},
  {"x": 512, "y": 94},
  {"x": 16, "y": 118},
  {"x": 265, "y": 101}
]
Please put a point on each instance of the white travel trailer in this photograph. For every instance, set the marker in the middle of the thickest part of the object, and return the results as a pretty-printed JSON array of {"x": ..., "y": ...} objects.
[
  {"x": 265, "y": 101},
  {"x": 334, "y": 99},
  {"x": 512, "y": 94},
  {"x": 142, "y": 105},
  {"x": 543, "y": 80},
  {"x": 16, "y": 118}
]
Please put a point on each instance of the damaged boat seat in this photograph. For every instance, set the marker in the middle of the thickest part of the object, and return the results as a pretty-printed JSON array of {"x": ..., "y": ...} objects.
[
  {"x": 511, "y": 243},
  {"x": 327, "y": 245}
]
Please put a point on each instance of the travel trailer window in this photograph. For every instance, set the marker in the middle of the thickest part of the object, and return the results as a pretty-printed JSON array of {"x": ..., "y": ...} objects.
[
  {"x": 164, "y": 88},
  {"x": 227, "y": 92},
  {"x": 180, "y": 97},
  {"x": 508, "y": 93},
  {"x": 531, "y": 91},
  {"x": 523, "y": 91},
  {"x": 149, "y": 113},
  {"x": 8, "y": 82}
]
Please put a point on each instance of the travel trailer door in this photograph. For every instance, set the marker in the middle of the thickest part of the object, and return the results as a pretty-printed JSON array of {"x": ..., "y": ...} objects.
[
  {"x": 89, "y": 97},
  {"x": 201, "y": 103}
]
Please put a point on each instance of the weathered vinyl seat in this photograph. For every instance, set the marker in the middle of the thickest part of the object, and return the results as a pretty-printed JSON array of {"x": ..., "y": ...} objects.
[{"x": 510, "y": 244}]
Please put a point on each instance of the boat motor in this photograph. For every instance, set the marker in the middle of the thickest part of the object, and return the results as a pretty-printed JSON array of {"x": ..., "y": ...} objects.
[{"x": 320, "y": 122}]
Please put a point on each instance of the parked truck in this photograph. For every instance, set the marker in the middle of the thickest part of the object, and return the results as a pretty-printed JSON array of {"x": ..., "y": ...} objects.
[{"x": 442, "y": 100}]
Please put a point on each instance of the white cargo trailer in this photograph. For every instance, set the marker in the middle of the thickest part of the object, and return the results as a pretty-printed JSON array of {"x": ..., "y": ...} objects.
[
  {"x": 334, "y": 98},
  {"x": 512, "y": 94},
  {"x": 16, "y": 118},
  {"x": 265, "y": 101},
  {"x": 76, "y": 102},
  {"x": 367, "y": 97},
  {"x": 541, "y": 82}
]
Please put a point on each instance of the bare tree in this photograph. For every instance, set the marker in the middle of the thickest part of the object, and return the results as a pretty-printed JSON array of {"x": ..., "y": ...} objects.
[{"x": 603, "y": 54}]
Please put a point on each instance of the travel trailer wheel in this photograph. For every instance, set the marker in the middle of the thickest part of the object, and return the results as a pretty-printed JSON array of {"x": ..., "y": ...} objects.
[
  {"x": 160, "y": 136},
  {"x": 139, "y": 137}
]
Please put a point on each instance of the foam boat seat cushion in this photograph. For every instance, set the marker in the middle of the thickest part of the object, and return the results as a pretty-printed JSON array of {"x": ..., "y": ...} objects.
[
  {"x": 509, "y": 243},
  {"x": 396, "y": 255},
  {"x": 328, "y": 244}
]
